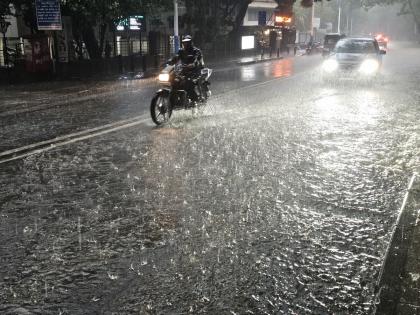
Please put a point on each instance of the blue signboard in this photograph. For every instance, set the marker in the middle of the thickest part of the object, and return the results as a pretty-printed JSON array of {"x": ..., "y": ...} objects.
[
  {"x": 262, "y": 18},
  {"x": 48, "y": 15}
]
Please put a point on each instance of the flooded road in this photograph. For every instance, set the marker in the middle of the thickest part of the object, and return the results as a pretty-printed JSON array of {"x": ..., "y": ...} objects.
[
  {"x": 278, "y": 199},
  {"x": 48, "y": 114}
]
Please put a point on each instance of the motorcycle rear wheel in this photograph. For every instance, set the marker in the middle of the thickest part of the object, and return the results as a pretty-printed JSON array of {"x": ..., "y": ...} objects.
[{"x": 160, "y": 109}]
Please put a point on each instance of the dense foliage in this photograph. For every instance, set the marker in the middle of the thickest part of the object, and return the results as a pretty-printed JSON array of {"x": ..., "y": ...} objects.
[
  {"x": 411, "y": 7},
  {"x": 206, "y": 19}
]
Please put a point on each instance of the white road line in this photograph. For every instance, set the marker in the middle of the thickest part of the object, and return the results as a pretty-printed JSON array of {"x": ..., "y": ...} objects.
[
  {"x": 259, "y": 84},
  {"x": 104, "y": 129},
  {"x": 71, "y": 135},
  {"x": 73, "y": 140}
]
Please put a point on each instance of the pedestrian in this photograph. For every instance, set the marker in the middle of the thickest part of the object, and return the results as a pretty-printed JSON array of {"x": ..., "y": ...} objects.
[
  {"x": 107, "y": 50},
  {"x": 72, "y": 51}
]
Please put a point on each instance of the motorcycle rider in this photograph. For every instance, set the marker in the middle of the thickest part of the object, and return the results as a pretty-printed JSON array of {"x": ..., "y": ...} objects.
[{"x": 192, "y": 59}]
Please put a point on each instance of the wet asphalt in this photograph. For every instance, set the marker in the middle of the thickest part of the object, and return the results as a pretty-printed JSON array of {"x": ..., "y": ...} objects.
[{"x": 279, "y": 198}]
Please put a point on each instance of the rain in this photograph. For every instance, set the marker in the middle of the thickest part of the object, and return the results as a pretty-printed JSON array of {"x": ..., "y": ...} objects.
[{"x": 278, "y": 197}]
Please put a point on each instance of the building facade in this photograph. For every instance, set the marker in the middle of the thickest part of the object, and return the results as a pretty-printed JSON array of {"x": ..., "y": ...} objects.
[{"x": 260, "y": 8}]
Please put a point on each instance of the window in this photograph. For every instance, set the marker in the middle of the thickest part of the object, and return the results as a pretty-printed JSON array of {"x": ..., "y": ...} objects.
[
  {"x": 252, "y": 15},
  {"x": 355, "y": 46}
]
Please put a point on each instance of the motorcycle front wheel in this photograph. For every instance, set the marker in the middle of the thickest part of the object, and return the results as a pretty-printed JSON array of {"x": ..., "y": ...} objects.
[{"x": 160, "y": 109}]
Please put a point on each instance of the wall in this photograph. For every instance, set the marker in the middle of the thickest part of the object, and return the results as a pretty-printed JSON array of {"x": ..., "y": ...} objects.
[{"x": 251, "y": 16}]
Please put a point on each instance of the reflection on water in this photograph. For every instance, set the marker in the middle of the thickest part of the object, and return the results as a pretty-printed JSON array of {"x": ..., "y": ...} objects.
[
  {"x": 284, "y": 68},
  {"x": 278, "y": 69},
  {"x": 281, "y": 208},
  {"x": 248, "y": 74},
  {"x": 344, "y": 127},
  {"x": 332, "y": 105}
]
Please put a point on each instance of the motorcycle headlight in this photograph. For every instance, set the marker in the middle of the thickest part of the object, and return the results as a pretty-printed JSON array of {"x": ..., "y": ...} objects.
[
  {"x": 164, "y": 77},
  {"x": 330, "y": 65},
  {"x": 369, "y": 66}
]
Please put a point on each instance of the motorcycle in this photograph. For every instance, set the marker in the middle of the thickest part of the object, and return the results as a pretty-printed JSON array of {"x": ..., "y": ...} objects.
[
  {"x": 173, "y": 95},
  {"x": 314, "y": 48}
]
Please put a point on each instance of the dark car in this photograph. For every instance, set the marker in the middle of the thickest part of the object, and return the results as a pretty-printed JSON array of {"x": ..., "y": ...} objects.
[
  {"x": 354, "y": 57},
  {"x": 329, "y": 42}
]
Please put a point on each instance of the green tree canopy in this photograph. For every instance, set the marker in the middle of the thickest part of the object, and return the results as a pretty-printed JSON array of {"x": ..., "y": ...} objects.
[
  {"x": 88, "y": 14},
  {"x": 411, "y": 7},
  {"x": 212, "y": 18}
]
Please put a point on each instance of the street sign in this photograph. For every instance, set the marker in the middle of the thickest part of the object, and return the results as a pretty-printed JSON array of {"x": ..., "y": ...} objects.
[
  {"x": 137, "y": 23},
  {"x": 3, "y": 25},
  {"x": 133, "y": 23},
  {"x": 262, "y": 18},
  {"x": 48, "y": 15},
  {"x": 248, "y": 42}
]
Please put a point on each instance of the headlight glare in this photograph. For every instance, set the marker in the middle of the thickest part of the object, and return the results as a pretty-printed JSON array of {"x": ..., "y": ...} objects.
[
  {"x": 164, "y": 77},
  {"x": 369, "y": 66},
  {"x": 330, "y": 65}
]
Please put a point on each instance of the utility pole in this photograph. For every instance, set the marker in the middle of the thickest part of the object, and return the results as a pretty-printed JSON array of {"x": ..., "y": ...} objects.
[
  {"x": 3, "y": 29},
  {"x": 176, "y": 29},
  {"x": 339, "y": 17},
  {"x": 347, "y": 24},
  {"x": 312, "y": 18}
]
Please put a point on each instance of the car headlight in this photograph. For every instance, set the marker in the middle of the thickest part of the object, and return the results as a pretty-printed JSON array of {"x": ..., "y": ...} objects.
[
  {"x": 164, "y": 77},
  {"x": 330, "y": 65},
  {"x": 369, "y": 66}
]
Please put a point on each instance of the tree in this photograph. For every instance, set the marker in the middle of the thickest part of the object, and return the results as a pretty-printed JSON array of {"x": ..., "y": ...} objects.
[
  {"x": 4, "y": 9},
  {"x": 87, "y": 15},
  {"x": 410, "y": 7},
  {"x": 210, "y": 19}
]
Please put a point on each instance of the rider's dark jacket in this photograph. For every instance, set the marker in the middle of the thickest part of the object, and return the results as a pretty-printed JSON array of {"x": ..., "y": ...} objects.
[{"x": 190, "y": 56}]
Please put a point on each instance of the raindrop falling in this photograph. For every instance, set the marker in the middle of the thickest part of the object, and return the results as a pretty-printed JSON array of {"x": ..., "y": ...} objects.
[{"x": 79, "y": 230}]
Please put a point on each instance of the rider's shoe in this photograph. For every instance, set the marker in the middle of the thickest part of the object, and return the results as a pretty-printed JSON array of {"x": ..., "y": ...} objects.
[{"x": 193, "y": 104}]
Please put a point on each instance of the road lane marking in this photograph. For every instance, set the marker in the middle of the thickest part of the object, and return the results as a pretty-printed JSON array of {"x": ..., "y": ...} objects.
[
  {"x": 65, "y": 101},
  {"x": 132, "y": 87},
  {"x": 47, "y": 145},
  {"x": 71, "y": 135}
]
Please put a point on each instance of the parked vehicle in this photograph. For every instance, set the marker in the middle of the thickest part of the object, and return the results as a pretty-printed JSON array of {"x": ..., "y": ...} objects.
[
  {"x": 173, "y": 96},
  {"x": 314, "y": 48},
  {"x": 330, "y": 40}
]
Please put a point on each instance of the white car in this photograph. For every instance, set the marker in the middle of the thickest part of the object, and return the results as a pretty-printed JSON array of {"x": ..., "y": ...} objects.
[{"x": 358, "y": 58}]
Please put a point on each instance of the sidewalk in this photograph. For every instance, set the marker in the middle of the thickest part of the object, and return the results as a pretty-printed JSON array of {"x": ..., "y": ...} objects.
[
  {"x": 254, "y": 60},
  {"x": 399, "y": 282},
  {"x": 15, "y": 99},
  {"x": 31, "y": 97}
]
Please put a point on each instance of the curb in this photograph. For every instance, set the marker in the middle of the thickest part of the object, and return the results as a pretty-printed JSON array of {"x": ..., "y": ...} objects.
[
  {"x": 390, "y": 285},
  {"x": 254, "y": 61},
  {"x": 72, "y": 98}
]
